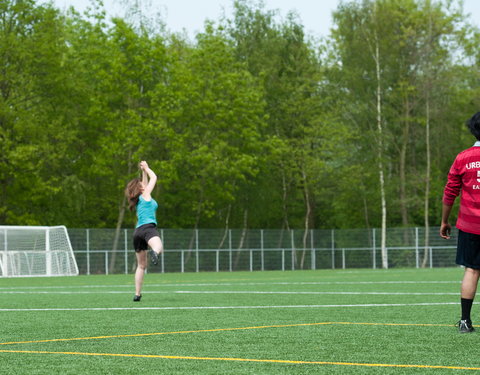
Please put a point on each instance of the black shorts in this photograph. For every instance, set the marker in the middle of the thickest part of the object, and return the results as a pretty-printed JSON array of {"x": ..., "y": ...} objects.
[
  {"x": 468, "y": 250},
  {"x": 142, "y": 235}
]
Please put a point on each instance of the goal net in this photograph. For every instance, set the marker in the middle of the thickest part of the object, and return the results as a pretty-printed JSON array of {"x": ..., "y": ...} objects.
[{"x": 36, "y": 251}]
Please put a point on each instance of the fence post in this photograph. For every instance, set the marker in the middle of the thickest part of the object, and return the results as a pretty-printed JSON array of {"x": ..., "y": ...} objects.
[
  {"x": 5, "y": 254},
  {"x": 374, "y": 249},
  {"x": 48, "y": 255},
  {"x": 314, "y": 260},
  {"x": 230, "y": 250},
  {"x": 197, "y": 267},
  {"x": 251, "y": 260},
  {"x": 88, "y": 251},
  {"x": 182, "y": 259},
  {"x": 262, "y": 260},
  {"x": 431, "y": 256},
  {"x": 343, "y": 258},
  {"x": 416, "y": 248},
  {"x": 217, "y": 261},
  {"x": 126, "y": 251},
  {"x": 106, "y": 262},
  {"x": 163, "y": 252},
  {"x": 293, "y": 250},
  {"x": 283, "y": 259},
  {"x": 333, "y": 248}
]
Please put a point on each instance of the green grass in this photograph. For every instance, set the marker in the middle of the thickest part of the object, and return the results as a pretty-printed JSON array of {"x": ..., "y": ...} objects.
[{"x": 72, "y": 318}]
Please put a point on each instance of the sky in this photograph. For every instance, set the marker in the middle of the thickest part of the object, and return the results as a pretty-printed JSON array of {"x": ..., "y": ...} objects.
[{"x": 190, "y": 15}]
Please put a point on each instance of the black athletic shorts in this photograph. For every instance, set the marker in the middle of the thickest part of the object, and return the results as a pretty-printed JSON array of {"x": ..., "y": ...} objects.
[
  {"x": 468, "y": 250},
  {"x": 142, "y": 235}
]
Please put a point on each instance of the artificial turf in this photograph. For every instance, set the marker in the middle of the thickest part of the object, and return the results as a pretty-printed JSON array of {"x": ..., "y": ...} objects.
[{"x": 397, "y": 321}]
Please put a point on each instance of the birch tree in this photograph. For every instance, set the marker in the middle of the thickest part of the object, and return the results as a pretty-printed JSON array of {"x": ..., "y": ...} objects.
[{"x": 363, "y": 28}]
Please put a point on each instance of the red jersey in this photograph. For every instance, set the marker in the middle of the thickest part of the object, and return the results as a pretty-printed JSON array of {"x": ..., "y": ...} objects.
[{"x": 464, "y": 176}]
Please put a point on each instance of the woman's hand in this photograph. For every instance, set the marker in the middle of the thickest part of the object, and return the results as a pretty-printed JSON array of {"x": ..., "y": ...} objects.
[{"x": 143, "y": 165}]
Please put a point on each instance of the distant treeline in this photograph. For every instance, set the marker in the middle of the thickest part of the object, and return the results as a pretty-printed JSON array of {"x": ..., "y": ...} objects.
[{"x": 253, "y": 124}]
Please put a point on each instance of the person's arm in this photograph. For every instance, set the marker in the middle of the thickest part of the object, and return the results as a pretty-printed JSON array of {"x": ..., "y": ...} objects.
[
  {"x": 450, "y": 193},
  {"x": 144, "y": 176},
  {"x": 445, "y": 227},
  {"x": 152, "y": 180}
]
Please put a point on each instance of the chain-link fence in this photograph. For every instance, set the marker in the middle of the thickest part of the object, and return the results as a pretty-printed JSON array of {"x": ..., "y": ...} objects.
[{"x": 107, "y": 251}]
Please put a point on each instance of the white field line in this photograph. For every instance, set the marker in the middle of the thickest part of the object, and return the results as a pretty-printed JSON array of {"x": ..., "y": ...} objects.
[
  {"x": 235, "y": 292},
  {"x": 321, "y": 293},
  {"x": 232, "y": 307},
  {"x": 237, "y": 284}
]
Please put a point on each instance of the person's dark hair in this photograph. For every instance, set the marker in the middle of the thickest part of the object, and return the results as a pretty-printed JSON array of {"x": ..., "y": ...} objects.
[
  {"x": 132, "y": 192},
  {"x": 474, "y": 125}
]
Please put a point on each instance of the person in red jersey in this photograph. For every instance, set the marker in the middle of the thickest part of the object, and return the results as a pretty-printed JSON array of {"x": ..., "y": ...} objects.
[{"x": 464, "y": 177}]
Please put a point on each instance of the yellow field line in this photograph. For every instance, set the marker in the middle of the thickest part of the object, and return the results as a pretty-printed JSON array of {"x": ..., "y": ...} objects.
[
  {"x": 167, "y": 333},
  {"x": 223, "y": 329},
  {"x": 396, "y": 324},
  {"x": 246, "y": 360}
]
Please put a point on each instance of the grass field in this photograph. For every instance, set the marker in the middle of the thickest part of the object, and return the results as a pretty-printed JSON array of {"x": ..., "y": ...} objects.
[{"x": 298, "y": 322}]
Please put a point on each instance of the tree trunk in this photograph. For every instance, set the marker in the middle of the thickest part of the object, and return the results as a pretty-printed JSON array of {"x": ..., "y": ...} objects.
[
  {"x": 308, "y": 213},
  {"x": 427, "y": 144},
  {"x": 284, "y": 201},
  {"x": 402, "y": 167},
  {"x": 242, "y": 239},
  {"x": 222, "y": 241},
  {"x": 365, "y": 211},
  {"x": 285, "y": 224},
  {"x": 380, "y": 152},
  {"x": 427, "y": 184},
  {"x": 195, "y": 227},
  {"x": 121, "y": 216}
]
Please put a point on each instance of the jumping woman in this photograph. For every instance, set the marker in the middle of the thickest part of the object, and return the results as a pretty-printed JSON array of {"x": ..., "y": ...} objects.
[{"x": 146, "y": 235}]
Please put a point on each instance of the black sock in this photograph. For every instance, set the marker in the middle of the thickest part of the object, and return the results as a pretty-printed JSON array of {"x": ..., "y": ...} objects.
[{"x": 466, "y": 308}]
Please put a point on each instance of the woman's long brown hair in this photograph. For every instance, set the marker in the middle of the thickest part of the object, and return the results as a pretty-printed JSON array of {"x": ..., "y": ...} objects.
[{"x": 132, "y": 192}]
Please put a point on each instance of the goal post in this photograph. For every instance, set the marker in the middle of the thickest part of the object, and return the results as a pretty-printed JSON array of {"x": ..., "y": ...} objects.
[{"x": 36, "y": 251}]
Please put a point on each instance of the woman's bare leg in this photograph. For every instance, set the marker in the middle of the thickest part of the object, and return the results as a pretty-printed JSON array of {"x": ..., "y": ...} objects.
[
  {"x": 140, "y": 272},
  {"x": 156, "y": 244}
]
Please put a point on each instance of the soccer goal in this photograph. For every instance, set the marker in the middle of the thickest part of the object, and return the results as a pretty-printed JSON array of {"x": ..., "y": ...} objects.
[{"x": 36, "y": 251}]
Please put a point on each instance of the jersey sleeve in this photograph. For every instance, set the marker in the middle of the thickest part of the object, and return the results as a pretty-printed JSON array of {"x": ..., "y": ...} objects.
[{"x": 454, "y": 184}]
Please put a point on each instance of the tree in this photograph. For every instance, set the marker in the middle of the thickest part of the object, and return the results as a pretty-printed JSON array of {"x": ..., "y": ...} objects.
[
  {"x": 364, "y": 28},
  {"x": 210, "y": 112},
  {"x": 36, "y": 134}
]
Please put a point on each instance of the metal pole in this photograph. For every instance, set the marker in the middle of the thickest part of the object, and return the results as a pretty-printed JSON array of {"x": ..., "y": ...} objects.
[
  {"x": 251, "y": 260},
  {"x": 343, "y": 258},
  {"x": 293, "y": 250},
  {"x": 106, "y": 262},
  {"x": 416, "y": 248},
  {"x": 374, "y": 244},
  {"x": 126, "y": 252},
  {"x": 431, "y": 257},
  {"x": 182, "y": 261},
  {"x": 333, "y": 248},
  {"x": 230, "y": 250},
  {"x": 283, "y": 259},
  {"x": 314, "y": 260},
  {"x": 163, "y": 252},
  {"x": 197, "y": 268},
  {"x": 5, "y": 254},
  {"x": 88, "y": 251},
  {"x": 48, "y": 257},
  {"x": 262, "y": 260}
]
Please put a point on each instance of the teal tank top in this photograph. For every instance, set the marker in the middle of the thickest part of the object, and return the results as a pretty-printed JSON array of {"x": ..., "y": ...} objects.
[{"x": 146, "y": 211}]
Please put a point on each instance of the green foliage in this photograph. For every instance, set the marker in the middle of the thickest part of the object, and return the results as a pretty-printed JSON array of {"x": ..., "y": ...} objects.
[{"x": 252, "y": 124}]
